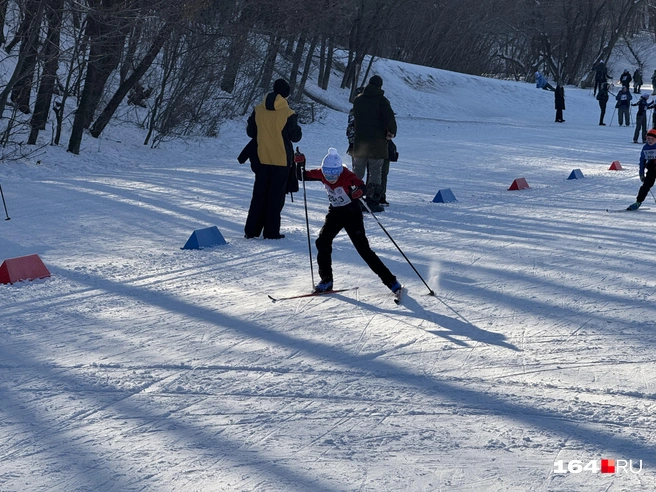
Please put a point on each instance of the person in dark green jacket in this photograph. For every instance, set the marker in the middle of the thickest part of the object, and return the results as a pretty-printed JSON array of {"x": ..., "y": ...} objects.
[{"x": 374, "y": 124}]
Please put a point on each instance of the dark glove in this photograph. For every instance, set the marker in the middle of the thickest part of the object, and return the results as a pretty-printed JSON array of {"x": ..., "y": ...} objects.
[
  {"x": 642, "y": 177},
  {"x": 358, "y": 193}
]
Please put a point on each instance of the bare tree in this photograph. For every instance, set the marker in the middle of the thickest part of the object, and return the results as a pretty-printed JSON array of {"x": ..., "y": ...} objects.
[{"x": 50, "y": 56}]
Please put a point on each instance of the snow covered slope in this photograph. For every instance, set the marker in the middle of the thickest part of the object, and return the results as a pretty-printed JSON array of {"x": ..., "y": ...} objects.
[{"x": 141, "y": 366}]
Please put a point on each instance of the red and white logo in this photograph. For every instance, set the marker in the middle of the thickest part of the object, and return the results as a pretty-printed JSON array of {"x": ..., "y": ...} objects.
[{"x": 598, "y": 466}]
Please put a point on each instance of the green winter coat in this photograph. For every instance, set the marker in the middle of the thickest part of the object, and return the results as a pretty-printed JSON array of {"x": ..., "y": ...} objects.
[{"x": 373, "y": 118}]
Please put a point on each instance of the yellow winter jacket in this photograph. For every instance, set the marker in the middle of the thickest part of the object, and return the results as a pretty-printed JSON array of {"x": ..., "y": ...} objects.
[{"x": 271, "y": 116}]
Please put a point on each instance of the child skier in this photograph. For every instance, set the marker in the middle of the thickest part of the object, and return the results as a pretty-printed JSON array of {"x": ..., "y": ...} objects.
[
  {"x": 648, "y": 162},
  {"x": 344, "y": 190}
]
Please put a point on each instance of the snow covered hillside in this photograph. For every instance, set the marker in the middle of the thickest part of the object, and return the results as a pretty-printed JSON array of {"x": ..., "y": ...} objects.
[{"x": 141, "y": 366}]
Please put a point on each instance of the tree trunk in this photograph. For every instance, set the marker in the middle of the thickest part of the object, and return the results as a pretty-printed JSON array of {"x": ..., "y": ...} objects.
[
  {"x": 29, "y": 41},
  {"x": 50, "y": 54},
  {"x": 235, "y": 54},
  {"x": 133, "y": 44},
  {"x": 322, "y": 60},
  {"x": 296, "y": 62},
  {"x": 306, "y": 70},
  {"x": 329, "y": 65},
  {"x": 101, "y": 61},
  {"x": 20, "y": 63},
  {"x": 131, "y": 81},
  {"x": 270, "y": 61},
  {"x": 3, "y": 17}
]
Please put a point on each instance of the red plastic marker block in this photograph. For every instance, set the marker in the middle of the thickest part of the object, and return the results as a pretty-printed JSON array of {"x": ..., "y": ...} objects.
[
  {"x": 519, "y": 184},
  {"x": 615, "y": 166},
  {"x": 22, "y": 268}
]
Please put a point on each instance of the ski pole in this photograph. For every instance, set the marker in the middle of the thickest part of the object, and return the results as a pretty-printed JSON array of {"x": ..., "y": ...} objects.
[
  {"x": 652, "y": 194},
  {"x": 612, "y": 116},
  {"x": 307, "y": 220},
  {"x": 430, "y": 291},
  {"x": 3, "y": 202}
]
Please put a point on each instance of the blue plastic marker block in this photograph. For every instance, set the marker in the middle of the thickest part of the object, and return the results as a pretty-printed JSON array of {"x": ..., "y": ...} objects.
[
  {"x": 576, "y": 174},
  {"x": 204, "y": 238},
  {"x": 444, "y": 196}
]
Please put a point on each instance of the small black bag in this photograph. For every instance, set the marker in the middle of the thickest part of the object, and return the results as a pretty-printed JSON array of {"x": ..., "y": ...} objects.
[
  {"x": 292, "y": 179},
  {"x": 392, "y": 153}
]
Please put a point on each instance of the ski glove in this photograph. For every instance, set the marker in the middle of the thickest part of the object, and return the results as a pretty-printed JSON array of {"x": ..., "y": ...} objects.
[
  {"x": 642, "y": 177},
  {"x": 358, "y": 192}
]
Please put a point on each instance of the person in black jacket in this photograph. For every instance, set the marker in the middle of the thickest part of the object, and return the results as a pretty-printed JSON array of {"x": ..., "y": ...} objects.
[
  {"x": 273, "y": 126},
  {"x": 559, "y": 96},
  {"x": 623, "y": 105},
  {"x": 601, "y": 75},
  {"x": 637, "y": 81},
  {"x": 641, "y": 117},
  {"x": 375, "y": 124},
  {"x": 602, "y": 97},
  {"x": 625, "y": 79}
]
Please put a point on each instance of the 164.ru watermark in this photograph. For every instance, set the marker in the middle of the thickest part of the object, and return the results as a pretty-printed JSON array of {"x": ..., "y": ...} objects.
[{"x": 598, "y": 466}]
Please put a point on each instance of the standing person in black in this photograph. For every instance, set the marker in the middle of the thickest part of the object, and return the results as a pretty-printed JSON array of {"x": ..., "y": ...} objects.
[
  {"x": 637, "y": 80},
  {"x": 602, "y": 97},
  {"x": 273, "y": 126},
  {"x": 641, "y": 118},
  {"x": 601, "y": 75},
  {"x": 623, "y": 105},
  {"x": 559, "y": 96},
  {"x": 625, "y": 79},
  {"x": 375, "y": 124}
]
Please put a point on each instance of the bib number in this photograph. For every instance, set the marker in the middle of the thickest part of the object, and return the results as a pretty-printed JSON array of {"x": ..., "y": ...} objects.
[{"x": 338, "y": 196}]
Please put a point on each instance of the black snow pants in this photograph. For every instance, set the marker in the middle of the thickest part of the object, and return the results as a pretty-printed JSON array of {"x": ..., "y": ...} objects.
[
  {"x": 267, "y": 202},
  {"x": 650, "y": 178},
  {"x": 348, "y": 217}
]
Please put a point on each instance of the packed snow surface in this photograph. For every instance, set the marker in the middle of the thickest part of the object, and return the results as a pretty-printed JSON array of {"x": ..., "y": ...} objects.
[{"x": 142, "y": 366}]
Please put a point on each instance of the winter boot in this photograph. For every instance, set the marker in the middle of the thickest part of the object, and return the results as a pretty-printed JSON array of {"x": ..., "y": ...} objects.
[
  {"x": 375, "y": 206},
  {"x": 325, "y": 285},
  {"x": 373, "y": 198},
  {"x": 395, "y": 286},
  {"x": 634, "y": 206}
]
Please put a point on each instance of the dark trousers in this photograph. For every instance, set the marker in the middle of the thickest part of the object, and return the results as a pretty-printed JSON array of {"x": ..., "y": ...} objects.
[
  {"x": 641, "y": 124},
  {"x": 602, "y": 106},
  {"x": 650, "y": 177},
  {"x": 597, "y": 85},
  {"x": 268, "y": 200},
  {"x": 559, "y": 115},
  {"x": 349, "y": 218},
  {"x": 383, "y": 180}
]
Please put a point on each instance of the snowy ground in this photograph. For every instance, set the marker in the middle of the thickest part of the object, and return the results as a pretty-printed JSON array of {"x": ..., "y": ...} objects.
[{"x": 141, "y": 366}]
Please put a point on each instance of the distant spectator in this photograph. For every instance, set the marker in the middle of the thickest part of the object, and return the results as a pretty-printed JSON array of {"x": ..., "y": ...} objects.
[
  {"x": 641, "y": 117},
  {"x": 637, "y": 81},
  {"x": 623, "y": 105},
  {"x": 601, "y": 75},
  {"x": 602, "y": 97},
  {"x": 625, "y": 79},
  {"x": 559, "y": 96},
  {"x": 653, "y": 83},
  {"x": 541, "y": 82}
]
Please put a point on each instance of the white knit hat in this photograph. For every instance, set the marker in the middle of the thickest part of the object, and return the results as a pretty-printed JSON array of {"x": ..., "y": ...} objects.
[{"x": 331, "y": 166}]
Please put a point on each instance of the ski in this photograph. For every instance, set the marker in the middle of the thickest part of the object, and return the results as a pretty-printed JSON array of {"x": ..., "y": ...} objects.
[
  {"x": 398, "y": 296},
  {"x": 625, "y": 210},
  {"x": 311, "y": 294}
]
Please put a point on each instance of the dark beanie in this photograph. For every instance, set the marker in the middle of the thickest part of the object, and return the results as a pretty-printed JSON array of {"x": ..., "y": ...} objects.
[
  {"x": 376, "y": 80},
  {"x": 281, "y": 87}
]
